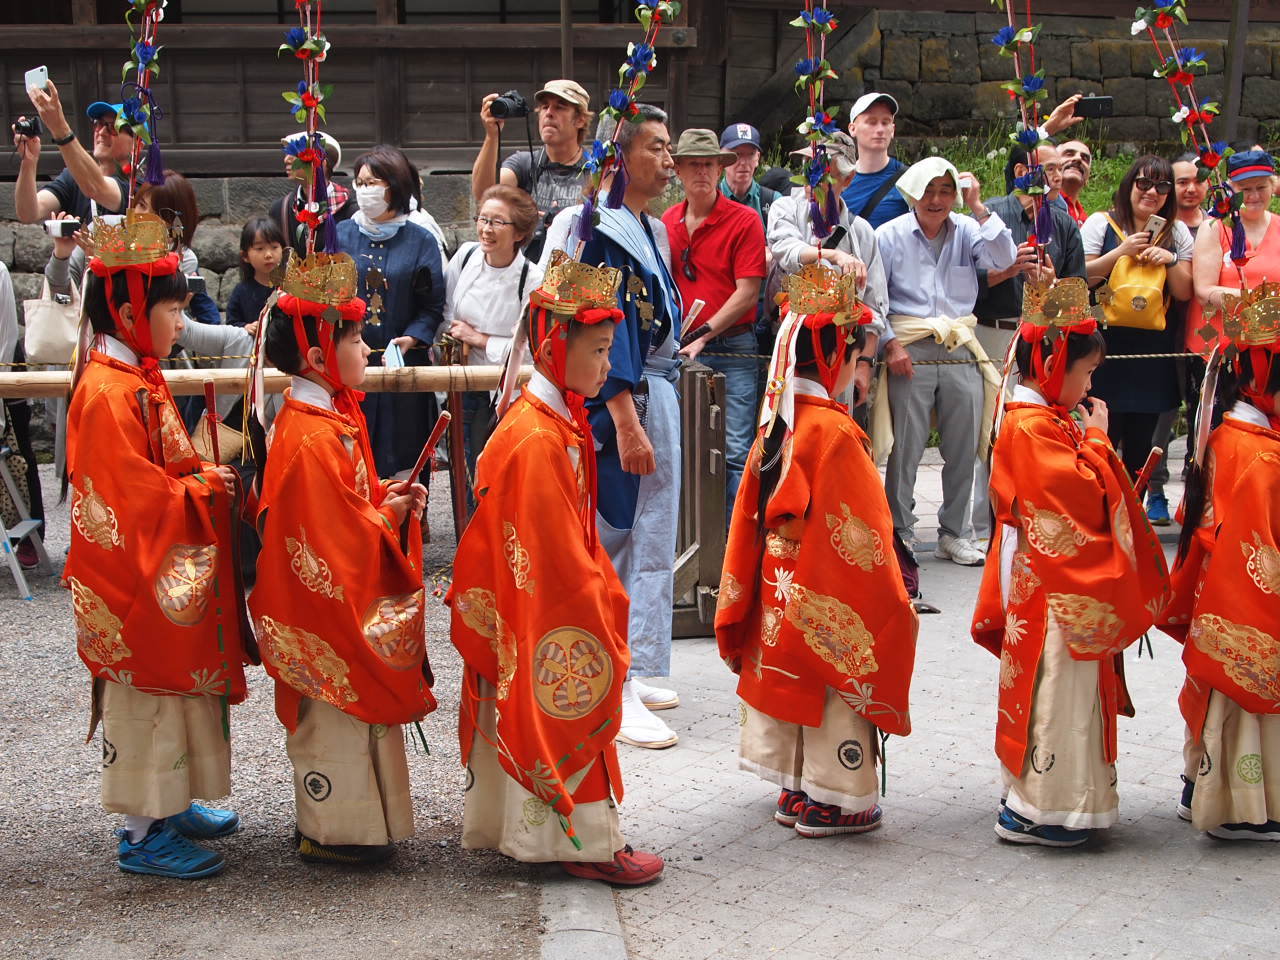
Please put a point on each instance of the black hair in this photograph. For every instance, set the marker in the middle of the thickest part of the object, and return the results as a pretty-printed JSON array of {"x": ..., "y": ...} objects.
[
  {"x": 390, "y": 164},
  {"x": 281, "y": 343},
  {"x": 806, "y": 365},
  {"x": 257, "y": 229},
  {"x": 160, "y": 289},
  {"x": 1230, "y": 389},
  {"x": 1188, "y": 157},
  {"x": 1079, "y": 346},
  {"x": 1155, "y": 168}
]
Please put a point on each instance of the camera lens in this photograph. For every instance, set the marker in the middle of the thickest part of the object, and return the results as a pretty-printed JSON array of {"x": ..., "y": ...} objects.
[{"x": 510, "y": 105}]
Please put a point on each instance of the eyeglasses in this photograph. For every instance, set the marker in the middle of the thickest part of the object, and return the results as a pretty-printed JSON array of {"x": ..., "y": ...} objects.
[
  {"x": 491, "y": 222},
  {"x": 686, "y": 267},
  {"x": 1162, "y": 187},
  {"x": 372, "y": 183}
]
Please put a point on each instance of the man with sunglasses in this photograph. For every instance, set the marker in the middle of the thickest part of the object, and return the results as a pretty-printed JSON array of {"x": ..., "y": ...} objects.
[
  {"x": 717, "y": 256},
  {"x": 89, "y": 184}
]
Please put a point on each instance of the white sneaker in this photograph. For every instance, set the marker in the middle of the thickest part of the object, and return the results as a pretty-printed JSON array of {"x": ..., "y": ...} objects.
[
  {"x": 959, "y": 550},
  {"x": 640, "y": 728},
  {"x": 655, "y": 698}
]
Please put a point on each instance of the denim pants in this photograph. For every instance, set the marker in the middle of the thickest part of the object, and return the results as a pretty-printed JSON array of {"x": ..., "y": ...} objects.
[{"x": 741, "y": 402}]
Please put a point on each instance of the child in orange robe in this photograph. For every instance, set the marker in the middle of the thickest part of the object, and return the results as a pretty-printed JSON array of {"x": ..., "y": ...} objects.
[
  {"x": 1227, "y": 597},
  {"x": 1074, "y": 576},
  {"x": 539, "y": 614},
  {"x": 338, "y": 605},
  {"x": 151, "y": 567},
  {"x": 813, "y": 615}
]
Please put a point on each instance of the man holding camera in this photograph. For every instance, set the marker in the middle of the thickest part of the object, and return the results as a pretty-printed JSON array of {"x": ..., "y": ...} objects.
[
  {"x": 552, "y": 174},
  {"x": 87, "y": 180}
]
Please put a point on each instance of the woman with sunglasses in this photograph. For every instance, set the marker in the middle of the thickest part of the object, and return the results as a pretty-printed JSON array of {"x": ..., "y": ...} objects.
[
  {"x": 1147, "y": 264},
  {"x": 488, "y": 284}
]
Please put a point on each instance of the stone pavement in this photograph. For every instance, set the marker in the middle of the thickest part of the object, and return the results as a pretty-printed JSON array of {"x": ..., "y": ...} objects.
[{"x": 933, "y": 881}]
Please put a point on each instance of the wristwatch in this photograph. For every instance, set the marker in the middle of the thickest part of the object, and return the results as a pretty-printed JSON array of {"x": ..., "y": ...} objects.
[
  {"x": 862, "y": 358},
  {"x": 63, "y": 141}
]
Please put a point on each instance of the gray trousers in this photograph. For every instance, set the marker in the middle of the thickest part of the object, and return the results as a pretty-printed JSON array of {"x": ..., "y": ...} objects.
[
  {"x": 955, "y": 393},
  {"x": 996, "y": 343}
]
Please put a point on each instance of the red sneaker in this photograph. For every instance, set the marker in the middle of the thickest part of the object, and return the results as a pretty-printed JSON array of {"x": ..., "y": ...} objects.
[
  {"x": 790, "y": 805},
  {"x": 825, "y": 820},
  {"x": 628, "y": 867},
  {"x": 26, "y": 554}
]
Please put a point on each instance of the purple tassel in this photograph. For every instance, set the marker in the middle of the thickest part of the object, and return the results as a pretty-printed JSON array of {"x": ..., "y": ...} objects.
[
  {"x": 1238, "y": 241},
  {"x": 329, "y": 238},
  {"x": 832, "y": 212},
  {"x": 585, "y": 228},
  {"x": 617, "y": 189},
  {"x": 1044, "y": 223},
  {"x": 816, "y": 220},
  {"x": 155, "y": 165}
]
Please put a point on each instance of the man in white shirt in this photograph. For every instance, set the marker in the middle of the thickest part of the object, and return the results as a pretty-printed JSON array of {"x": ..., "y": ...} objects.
[{"x": 931, "y": 259}]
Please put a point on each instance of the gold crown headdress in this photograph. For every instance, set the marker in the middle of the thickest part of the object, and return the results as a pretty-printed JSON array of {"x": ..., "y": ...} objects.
[
  {"x": 140, "y": 238},
  {"x": 568, "y": 286},
  {"x": 1252, "y": 319},
  {"x": 328, "y": 278},
  {"x": 1062, "y": 303},
  {"x": 819, "y": 289}
]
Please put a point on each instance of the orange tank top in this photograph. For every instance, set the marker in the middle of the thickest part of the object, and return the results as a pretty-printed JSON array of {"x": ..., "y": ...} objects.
[{"x": 1262, "y": 263}]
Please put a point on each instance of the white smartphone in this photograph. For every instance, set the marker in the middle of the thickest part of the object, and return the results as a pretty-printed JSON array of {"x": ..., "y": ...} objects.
[
  {"x": 392, "y": 357},
  {"x": 37, "y": 79},
  {"x": 1155, "y": 223},
  {"x": 966, "y": 183}
]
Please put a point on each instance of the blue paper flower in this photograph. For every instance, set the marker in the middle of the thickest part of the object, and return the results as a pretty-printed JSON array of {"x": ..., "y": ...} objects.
[
  {"x": 1031, "y": 85},
  {"x": 145, "y": 53},
  {"x": 596, "y": 156},
  {"x": 132, "y": 108},
  {"x": 302, "y": 87},
  {"x": 821, "y": 17},
  {"x": 823, "y": 121},
  {"x": 1025, "y": 182},
  {"x": 1004, "y": 37},
  {"x": 1189, "y": 55},
  {"x": 806, "y": 67},
  {"x": 295, "y": 38},
  {"x": 1029, "y": 137},
  {"x": 816, "y": 170},
  {"x": 618, "y": 99},
  {"x": 1164, "y": 4},
  {"x": 641, "y": 58}
]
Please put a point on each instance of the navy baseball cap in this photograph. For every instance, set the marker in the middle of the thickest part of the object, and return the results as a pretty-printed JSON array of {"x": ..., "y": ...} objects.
[
  {"x": 740, "y": 135},
  {"x": 98, "y": 108}
]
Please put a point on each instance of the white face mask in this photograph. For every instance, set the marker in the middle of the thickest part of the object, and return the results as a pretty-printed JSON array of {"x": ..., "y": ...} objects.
[{"x": 372, "y": 201}]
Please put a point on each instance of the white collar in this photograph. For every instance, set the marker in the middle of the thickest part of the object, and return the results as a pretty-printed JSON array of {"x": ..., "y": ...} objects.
[
  {"x": 810, "y": 388},
  {"x": 541, "y": 387},
  {"x": 1024, "y": 394},
  {"x": 305, "y": 391},
  {"x": 116, "y": 349},
  {"x": 1243, "y": 410}
]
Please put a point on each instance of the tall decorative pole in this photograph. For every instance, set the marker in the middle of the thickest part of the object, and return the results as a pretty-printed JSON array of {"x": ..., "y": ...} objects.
[
  {"x": 140, "y": 113},
  {"x": 812, "y": 74},
  {"x": 308, "y": 44}
]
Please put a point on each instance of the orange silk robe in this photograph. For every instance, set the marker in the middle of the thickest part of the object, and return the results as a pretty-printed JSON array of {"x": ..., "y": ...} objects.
[
  {"x": 152, "y": 563},
  {"x": 1227, "y": 588},
  {"x": 1085, "y": 553},
  {"x": 539, "y": 616},
  {"x": 818, "y": 601},
  {"x": 338, "y": 605}
]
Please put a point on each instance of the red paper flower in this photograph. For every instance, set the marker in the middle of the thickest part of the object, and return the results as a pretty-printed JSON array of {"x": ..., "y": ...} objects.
[
  {"x": 302, "y": 53},
  {"x": 310, "y": 100},
  {"x": 309, "y": 217},
  {"x": 1210, "y": 158},
  {"x": 1182, "y": 77},
  {"x": 1163, "y": 21}
]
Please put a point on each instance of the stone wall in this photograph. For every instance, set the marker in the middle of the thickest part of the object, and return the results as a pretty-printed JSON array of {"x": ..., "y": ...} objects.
[{"x": 225, "y": 204}]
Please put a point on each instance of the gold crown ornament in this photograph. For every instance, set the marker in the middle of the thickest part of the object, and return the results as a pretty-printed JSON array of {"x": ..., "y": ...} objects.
[
  {"x": 569, "y": 286},
  {"x": 138, "y": 239},
  {"x": 1062, "y": 303},
  {"x": 1252, "y": 319},
  {"x": 819, "y": 289},
  {"x": 328, "y": 278}
]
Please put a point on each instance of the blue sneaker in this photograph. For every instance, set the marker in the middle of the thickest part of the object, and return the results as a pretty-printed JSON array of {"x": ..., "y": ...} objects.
[
  {"x": 1158, "y": 510},
  {"x": 1016, "y": 829},
  {"x": 205, "y": 823},
  {"x": 1184, "y": 804},
  {"x": 164, "y": 852}
]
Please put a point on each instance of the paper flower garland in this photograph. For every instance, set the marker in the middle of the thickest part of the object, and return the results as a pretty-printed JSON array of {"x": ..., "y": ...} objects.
[
  {"x": 140, "y": 113},
  {"x": 812, "y": 74},
  {"x": 306, "y": 103}
]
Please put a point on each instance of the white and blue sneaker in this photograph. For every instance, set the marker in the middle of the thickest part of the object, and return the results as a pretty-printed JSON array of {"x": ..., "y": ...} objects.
[
  {"x": 205, "y": 823},
  {"x": 164, "y": 852},
  {"x": 1016, "y": 829},
  {"x": 1184, "y": 803}
]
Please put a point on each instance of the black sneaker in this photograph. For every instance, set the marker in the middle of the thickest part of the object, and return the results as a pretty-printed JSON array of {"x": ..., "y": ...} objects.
[
  {"x": 1247, "y": 831},
  {"x": 344, "y": 854},
  {"x": 1184, "y": 804}
]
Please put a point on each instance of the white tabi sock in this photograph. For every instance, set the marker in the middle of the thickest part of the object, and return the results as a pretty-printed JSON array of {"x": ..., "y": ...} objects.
[{"x": 136, "y": 827}]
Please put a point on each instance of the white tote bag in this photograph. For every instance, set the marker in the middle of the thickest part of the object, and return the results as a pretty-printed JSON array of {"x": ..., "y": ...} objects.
[{"x": 52, "y": 327}]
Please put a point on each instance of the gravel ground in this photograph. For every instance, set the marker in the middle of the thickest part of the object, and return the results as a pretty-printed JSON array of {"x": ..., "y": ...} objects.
[{"x": 67, "y": 899}]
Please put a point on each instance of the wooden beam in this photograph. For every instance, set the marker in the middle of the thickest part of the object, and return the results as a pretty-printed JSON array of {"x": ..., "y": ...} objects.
[
  {"x": 84, "y": 12},
  {"x": 1233, "y": 75},
  {"x": 386, "y": 12}
]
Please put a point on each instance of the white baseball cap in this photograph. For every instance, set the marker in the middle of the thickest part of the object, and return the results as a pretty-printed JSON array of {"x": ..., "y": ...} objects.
[{"x": 867, "y": 100}]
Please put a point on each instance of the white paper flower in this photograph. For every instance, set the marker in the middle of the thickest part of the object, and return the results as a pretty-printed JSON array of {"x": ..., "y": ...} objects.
[
  {"x": 1182, "y": 115},
  {"x": 1137, "y": 27}
]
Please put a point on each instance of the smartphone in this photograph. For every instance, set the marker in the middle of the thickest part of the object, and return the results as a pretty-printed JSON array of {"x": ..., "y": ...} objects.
[
  {"x": 1155, "y": 223},
  {"x": 37, "y": 79},
  {"x": 1095, "y": 107},
  {"x": 392, "y": 356},
  {"x": 196, "y": 284},
  {"x": 966, "y": 183},
  {"x": 61, "y": 229}
]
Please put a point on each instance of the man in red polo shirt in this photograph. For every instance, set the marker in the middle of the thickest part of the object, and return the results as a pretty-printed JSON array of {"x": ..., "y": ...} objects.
[{"x": 717, "y": 256}]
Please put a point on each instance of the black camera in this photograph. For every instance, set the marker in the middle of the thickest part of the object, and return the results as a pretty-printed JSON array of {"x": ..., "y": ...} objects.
[
  {"x": 511, "y": 105},
  {"x": 30, "y": 126}
]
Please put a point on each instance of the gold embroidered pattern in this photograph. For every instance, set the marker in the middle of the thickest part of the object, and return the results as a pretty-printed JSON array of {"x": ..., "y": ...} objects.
[
  {"x": 309, "y": 567},
  {"x": 362, "y": 476},
  {"x": 517, "y": 558},
  {"x": 182, "y": 589},
  {"x": 94, "y": 519},
  {"x": 305, "y": 662},
  {"x": 780, "y": 548},
  {"x": 174, "y": 440},
  {"x": 1262, "y": 563},
  {"x": 1211, "y": 467},
  {"x": 1010, "y": 669},
  {"x": 97, "y": 628},
  {"x": 730, "y": 591},
  {"x": 573, "y": 673},
  {"x": 1023, "y": 582},
  {"x": 1122, "y": 527},
  {"x": 1249, "y": 656},
  {"x": 833, "y": 631},
  {"x": 855, "y": 542},
  {"x": 479, "y": 611},
  {"x": 395, "y": 631},
  {"x": 1089, "y": 626},
  {"x": 770, "y": 626},
  {"x": 1053, "y": 534}
]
